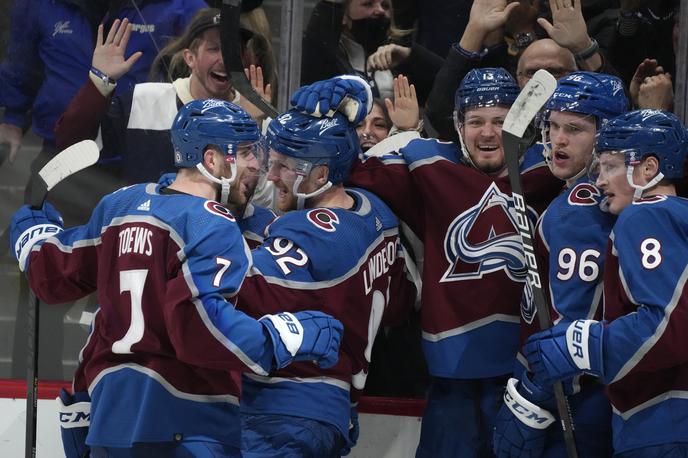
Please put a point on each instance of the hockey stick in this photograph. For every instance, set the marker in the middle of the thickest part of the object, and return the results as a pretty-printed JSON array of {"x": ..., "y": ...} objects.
[
  {"x": 69, "y": 161},
  {"x": 230, "y": 43},
  {"x": 531, "y": 99}
]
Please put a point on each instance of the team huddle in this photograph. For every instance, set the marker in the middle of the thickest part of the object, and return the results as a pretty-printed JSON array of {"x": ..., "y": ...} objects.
[{"x": 223, "y": 330}]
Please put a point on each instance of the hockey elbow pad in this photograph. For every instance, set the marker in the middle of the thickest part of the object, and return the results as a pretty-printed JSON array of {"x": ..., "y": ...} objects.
[{"x": 304, "y": 336}]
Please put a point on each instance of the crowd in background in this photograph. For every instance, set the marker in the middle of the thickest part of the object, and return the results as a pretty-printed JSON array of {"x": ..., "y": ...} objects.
[{"x": 118, "y": 72}]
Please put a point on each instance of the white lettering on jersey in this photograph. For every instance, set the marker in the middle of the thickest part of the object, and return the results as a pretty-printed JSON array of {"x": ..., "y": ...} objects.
[
  {"x": 379, "y": 264},
  {"x": 135, "y": 240}
]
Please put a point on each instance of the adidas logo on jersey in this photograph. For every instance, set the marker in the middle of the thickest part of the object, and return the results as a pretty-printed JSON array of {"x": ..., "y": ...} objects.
[
  {"x": 378, "y": 224},
  {"x": 144, "y": 207}
]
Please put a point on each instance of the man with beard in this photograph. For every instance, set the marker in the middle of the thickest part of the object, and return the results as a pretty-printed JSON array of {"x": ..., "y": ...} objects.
[
  {"x": 336, "y": 249},
  {"x": 456, "y": 199},
  {"x": 164, "y": 260}
]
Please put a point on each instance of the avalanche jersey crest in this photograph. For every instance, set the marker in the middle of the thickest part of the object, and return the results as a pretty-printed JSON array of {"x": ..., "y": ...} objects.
[
  {"x": 584, "y": 194},
  {"x": 483, "y": 239},
  {"x": 323, "y": 218}
]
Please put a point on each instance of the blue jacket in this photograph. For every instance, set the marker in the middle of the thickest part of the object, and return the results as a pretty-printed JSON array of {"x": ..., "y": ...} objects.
[{"x": 51, "y": 48}]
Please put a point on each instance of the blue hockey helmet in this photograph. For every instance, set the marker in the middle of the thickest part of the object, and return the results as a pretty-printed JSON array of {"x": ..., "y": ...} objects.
[
  {"x": 589, "y": 93},
  {"x": 318, "y": 141},
  {"x": 642, "y": 133},
  {"x": 205, "y": 122},
  {"x": 484, "y": 87}
]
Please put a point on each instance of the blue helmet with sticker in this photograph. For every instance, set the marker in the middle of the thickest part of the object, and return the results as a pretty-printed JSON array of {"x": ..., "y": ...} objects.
[
  {"x": 319, "y": 141},
  {"x": 642, "y": 133},
  {"x": 484, "y": 87},
  {"x": 205, "y": 122},
  {"x": 589, "y": 93}
]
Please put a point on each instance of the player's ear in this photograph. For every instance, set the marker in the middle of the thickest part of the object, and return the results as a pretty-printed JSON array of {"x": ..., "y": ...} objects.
[
  {"x": 209, "y": 158},
  {"x": 321, "y": 172},
  {"x": 649, "y": 167}
]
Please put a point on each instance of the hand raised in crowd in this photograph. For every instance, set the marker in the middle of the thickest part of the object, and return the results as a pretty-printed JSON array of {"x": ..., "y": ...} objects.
[
  {"x": 403, "y": 111},
  {"x": 388, "y": 56},
  {"x": 646, "y": 69},
  {"x": 108, "y": 56},
  {"x": 568, "y": 26},
  {"x": 11, "y": 135},
  {"x": 486, "y": 17},
  {"x": 523, "y": 17},
  {"x": 657, "y": 92},
  {"x": 255, "y": 76}
]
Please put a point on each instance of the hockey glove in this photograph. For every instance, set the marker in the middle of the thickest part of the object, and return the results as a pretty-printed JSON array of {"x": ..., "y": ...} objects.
[
  {"x": 75, "y": 418},
  {"x": 29, "y": 227},
  {"x": 304, "y": 336},
  {"x": 348, "y": 94},
  {"x": 521, "y": 424},
  {"x": 354, "y": 431},
  {"x": 564, "y": 351}
]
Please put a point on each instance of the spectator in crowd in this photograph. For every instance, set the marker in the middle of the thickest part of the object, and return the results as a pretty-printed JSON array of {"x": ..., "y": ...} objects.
[
  {"x": 256, "y": 49},
  {"x": 375, "y": 127},
  {"x": 644, "y": 30},
  {"x": 50, "y": 50},
  {"x": 392, "y": 116},
  {"x": 482, "y": 44},
  {"x": 342, "y": 34},
  {"x": 143, "y": 116}
]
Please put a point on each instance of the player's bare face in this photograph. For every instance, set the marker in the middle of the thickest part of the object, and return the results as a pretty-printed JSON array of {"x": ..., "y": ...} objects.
[
  {"x": 208, "y": 76},
  {"x": 572, "y": 137},
  {"x": 282, "y": 172},
  {"x": 482, "y": 135},
  {"x": 613, "y": 182},
  {"x": 373, "y": 129},
  {"x": 248, "y": 173}
]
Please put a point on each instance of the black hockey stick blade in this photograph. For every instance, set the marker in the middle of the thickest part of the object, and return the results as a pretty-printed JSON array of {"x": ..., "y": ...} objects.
[
  {"x": 529, "y": 102},
  {"x": 67, "y": 162},
  {"x": 230, "y": 42}
]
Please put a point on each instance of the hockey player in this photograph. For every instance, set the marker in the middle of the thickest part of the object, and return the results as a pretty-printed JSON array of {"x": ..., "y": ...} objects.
[
  {"x": 571, "y": 240},
  {"x": 639, "y": 351},
  {"x": 337, "y": 248},
  {"x": 456, "y": 198},
  {"x": 163, "y": 260}
]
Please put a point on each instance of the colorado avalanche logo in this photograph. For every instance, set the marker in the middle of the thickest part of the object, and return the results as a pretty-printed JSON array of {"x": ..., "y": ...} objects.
[
  {"x": 483, "y": 239},
  {"x": 584, "y": 194},
  {"x": 217, "y": 209},
  {"x": 323, "y": 219}
]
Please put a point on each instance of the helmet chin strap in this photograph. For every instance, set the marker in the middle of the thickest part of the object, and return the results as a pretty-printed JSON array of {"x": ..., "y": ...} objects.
[
  {"x": 225, "y": 183},
  {"x": 638, "y": 189},
  {"x": 301, "y": 197}
]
